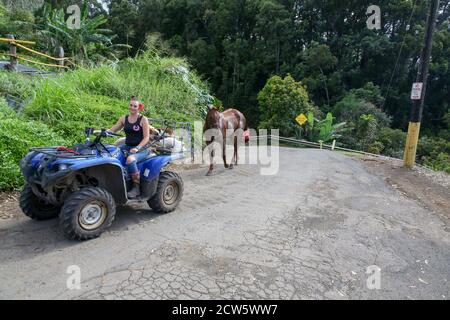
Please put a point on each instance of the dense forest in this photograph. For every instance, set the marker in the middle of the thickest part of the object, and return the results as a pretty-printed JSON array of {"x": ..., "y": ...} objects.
[
  {"x": 274, "y": 59},
  {"x": 238, "y": 44}
]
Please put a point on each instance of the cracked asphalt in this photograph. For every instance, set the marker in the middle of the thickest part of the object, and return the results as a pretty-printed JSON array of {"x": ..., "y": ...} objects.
[{"x": 309, "y": 232}]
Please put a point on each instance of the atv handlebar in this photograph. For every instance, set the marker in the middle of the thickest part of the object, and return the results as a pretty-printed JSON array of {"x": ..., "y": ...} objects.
[
  {"x": 100, "y": 133},
  {"x": 105, "y": 133}
]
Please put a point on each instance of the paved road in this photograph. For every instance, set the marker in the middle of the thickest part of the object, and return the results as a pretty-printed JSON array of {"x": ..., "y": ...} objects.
[{"x": 311, "y": 231}]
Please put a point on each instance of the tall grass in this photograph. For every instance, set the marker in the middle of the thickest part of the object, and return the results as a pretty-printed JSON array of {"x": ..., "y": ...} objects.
[
  {"x": 99, "y": 96},
  {"x": 17, "y": 135}
]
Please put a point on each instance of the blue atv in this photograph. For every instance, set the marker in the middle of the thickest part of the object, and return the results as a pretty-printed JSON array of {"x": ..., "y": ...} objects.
[{"x": 83, "y": 185}]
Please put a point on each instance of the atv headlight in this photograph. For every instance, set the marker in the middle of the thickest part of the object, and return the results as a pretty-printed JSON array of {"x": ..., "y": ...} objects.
[{"x": 62, "y": 167}]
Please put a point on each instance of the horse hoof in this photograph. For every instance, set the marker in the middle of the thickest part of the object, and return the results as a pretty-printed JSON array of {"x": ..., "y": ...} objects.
[
  {"x": 209, "y": 173},
  {"x": 230, "y": 167}
]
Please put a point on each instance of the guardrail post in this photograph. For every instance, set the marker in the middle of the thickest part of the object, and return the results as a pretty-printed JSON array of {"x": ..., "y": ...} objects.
[
  {"x": 321, "y": 144},
  {"x": 13, "y": 54},
  {"x": 333, "y": 145},
  {"x": 61, "y": 56}
]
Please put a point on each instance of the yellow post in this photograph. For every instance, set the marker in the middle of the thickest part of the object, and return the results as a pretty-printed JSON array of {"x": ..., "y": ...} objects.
[
  {"x": 419, "y": 88},
  {"x": 412, "y": 140}
]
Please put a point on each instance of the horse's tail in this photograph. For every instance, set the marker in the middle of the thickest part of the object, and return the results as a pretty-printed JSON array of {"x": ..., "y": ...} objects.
[{"x": 245, "y": 128}]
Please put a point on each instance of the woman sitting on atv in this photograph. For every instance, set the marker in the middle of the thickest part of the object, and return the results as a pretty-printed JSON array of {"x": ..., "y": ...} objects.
[{"x": 137, "y": 131}]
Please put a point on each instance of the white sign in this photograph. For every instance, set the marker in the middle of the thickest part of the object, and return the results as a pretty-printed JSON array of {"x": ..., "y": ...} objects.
[
  {"x": 416, "y": 92},
  {"x": 373, "y": 282},
  {"x": 374, "y": 21},
  {"x": 74, "y": 280},
  {"x": 74, "y": 20}
]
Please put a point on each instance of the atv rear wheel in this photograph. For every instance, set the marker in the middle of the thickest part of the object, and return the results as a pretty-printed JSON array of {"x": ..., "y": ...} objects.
[
  {"x": 87, "y": 213},
  {"x": 36, "y": 208},
  {"x": 168, "y": 194}
]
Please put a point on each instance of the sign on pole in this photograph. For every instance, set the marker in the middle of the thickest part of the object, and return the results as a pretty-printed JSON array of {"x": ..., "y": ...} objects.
[{"x": 416, "y": 92}]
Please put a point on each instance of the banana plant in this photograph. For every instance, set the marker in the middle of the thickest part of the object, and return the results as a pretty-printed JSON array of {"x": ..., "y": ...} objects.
[
  {"x": 324, "y": 130},
  {"x": 329, "y": 131},
  {"x": 80, "y": 42}
]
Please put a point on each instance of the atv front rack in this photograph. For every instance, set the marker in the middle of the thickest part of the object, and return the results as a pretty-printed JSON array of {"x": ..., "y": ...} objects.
[{"x": 53, "y": 152}]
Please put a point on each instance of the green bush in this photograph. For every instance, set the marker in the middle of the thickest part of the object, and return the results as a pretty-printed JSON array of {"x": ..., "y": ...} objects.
[
  {"x": 376, "y": 147},
  {"x": 393, "y": 141},
  {"x": 280, "y": 102},
  {"x": 16, "y": 84},
  {"x": 434, "y": 153},
  {"x": 5, "y": 110},
  {"x": 17, "y": 136},
  {"x": 363, "y": 117}
]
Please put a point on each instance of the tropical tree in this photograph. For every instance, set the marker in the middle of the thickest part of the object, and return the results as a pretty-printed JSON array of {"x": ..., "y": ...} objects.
[
  {"x": 29, "y": 5},
  {"x": 85, "y": 44},
  {"x": 280, "y": 102}
]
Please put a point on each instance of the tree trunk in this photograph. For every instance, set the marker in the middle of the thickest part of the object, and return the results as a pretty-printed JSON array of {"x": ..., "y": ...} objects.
[{"x": 326, "y": 86}]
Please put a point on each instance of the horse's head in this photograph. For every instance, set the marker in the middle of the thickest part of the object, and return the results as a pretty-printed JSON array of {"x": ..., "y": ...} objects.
[{"x": 212, "y": 118}]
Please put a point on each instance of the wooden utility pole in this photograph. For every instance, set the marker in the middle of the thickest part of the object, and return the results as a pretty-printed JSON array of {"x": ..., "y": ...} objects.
[
  {"x": 419, "y": 89},
  {"x": 12, "y": 54}
]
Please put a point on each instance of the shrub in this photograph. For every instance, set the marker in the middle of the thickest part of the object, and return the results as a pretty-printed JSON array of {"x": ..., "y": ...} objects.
[
  {"x": 280, "y": 102},
  {"x": 365, "y": 119},
  {"x": 376, "y": 147},
  {"x": 16, "y": 84},
  {"x": 17, "y": 135},
  {"x": 393, "y": 141},
  {"x": 5, "y": 110},
  {"x": 434, "y": 153}
]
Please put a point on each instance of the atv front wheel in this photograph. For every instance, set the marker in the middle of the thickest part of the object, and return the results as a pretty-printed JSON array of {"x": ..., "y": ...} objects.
[
  {"x": 168, "y": 194},
  {"x": 87, "y": 213},
  {"x": 36, "y": 208}
]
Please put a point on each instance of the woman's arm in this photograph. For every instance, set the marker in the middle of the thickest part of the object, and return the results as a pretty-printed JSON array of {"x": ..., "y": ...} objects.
[
  {"x": 145, "y": 128},
  {"x": 119, "y": 125}
]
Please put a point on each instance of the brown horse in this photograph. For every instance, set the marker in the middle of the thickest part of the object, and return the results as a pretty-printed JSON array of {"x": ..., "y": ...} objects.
[{"x": 230, "y": 119}]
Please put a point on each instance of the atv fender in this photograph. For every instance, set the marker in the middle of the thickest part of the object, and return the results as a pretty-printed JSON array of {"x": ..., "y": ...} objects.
[
  {"x": 151, "y": 168},
  {"x": 109, "y": 175}
]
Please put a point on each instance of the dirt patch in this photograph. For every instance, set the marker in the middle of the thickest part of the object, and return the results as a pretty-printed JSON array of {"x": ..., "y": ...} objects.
[
  {"x": 9, "y": 205},
  {"x": 430, "y": 189}
]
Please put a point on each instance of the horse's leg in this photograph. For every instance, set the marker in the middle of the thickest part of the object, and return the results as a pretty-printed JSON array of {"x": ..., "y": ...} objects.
[
  {"x": 211, "y": 159},
  {"x": 235, "y": 151},
  {"x": 224, "y": 151},
  {"x": 211, "y": 163}
]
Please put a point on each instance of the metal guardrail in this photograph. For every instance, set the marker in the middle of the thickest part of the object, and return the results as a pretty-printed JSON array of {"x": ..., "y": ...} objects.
[
  {"x": 332, "y": 148},
  {"x": 14, "y": 44}
]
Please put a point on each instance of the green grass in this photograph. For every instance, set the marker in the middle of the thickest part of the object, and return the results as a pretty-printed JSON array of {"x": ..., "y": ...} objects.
[
  {"x": 99, "y": 96},
  {"x": 351, "y": 154},
  {"x": 17, "y": 136}
]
